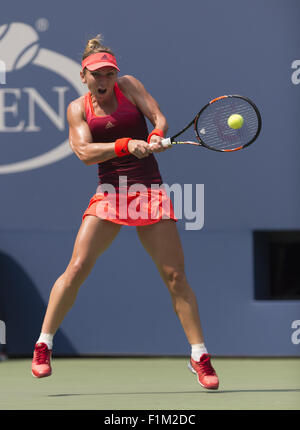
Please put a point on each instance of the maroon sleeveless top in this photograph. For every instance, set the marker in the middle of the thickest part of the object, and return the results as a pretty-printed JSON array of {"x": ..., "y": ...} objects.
[{"x": 126, "y": 121}]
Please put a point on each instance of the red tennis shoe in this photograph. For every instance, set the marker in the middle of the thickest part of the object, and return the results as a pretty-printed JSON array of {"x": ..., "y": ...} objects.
[
  {"x": 41, "y": 366},
  {"x": 207, "y": 376}
]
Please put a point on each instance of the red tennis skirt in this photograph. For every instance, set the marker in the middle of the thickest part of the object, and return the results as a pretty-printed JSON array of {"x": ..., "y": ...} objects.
[{"x": 132, "y": 208}]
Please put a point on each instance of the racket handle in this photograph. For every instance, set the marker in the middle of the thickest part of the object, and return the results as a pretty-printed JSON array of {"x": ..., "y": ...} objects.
[{"x": 166, "y": 143}]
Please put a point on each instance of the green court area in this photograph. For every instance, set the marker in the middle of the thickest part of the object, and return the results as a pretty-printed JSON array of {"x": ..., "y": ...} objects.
[{"x": 151, "y": 384}]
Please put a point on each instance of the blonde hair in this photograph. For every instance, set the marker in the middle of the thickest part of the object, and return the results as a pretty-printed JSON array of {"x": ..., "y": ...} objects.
[{"x": 94, "y": 46}]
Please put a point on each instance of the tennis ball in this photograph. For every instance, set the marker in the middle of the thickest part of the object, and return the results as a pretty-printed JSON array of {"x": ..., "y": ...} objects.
[
  {"x": 18, "y": 45},
  {"x": 235, "y": 121}
]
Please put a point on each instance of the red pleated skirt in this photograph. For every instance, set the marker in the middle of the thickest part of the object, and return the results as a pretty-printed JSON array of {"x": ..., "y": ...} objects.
[{"x": 132, "y": 208}]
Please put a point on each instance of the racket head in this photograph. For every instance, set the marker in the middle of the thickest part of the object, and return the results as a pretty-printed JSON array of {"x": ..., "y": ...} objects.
[{"x": 212, "y": 129}]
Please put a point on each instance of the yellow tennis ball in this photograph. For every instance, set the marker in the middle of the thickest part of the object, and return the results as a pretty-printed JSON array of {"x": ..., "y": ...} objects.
[{"x": 235, "y": 121}]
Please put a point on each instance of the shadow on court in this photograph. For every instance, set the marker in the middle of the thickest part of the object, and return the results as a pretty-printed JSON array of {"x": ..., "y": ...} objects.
[
  {"x": 22, "y": 309},
  {"x": 178, "y": 392}
]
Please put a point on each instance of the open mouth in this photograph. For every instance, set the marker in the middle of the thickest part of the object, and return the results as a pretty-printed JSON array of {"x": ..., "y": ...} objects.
[{"x": 101, "y": 91}]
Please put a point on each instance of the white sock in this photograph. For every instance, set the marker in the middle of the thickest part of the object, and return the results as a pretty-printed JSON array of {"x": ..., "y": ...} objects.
[
  {"x": 197, "y": 350},
  {"x": 46, "y": 338}
]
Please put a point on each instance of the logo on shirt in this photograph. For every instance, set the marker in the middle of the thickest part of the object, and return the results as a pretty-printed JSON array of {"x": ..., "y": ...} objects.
[{"x": 109, "y": 125}]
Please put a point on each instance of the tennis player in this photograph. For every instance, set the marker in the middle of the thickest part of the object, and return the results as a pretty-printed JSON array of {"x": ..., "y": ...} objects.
[{"x": 107, "y": 127}]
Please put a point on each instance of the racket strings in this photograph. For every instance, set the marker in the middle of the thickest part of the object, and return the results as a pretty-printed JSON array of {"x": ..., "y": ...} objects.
[{"x": 214, "y": 131}]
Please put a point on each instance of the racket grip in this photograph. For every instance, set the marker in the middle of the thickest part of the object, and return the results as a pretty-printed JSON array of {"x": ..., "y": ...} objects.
[{"x": 166, "y": 143}]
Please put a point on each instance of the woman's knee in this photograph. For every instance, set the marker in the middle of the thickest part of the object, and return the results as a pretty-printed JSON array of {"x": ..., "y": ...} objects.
[
  {"x": 77, "y": 270},
  {"x": 175, "y": 279}
]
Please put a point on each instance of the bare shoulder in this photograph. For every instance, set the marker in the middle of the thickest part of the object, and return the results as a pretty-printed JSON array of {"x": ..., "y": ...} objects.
[
  {"x": 75, "y": 110},
  {"x": 130, "y": 86}
]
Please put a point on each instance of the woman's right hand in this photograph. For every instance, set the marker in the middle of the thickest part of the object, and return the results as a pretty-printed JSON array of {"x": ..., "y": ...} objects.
[{"x": 139, "y": 148}]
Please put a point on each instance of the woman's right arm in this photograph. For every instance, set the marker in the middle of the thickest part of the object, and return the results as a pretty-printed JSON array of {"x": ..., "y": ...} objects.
[{"x": 81, "y": 140}]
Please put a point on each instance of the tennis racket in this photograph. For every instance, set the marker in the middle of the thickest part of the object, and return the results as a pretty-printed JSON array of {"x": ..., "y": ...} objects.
[{"x": 225, "y": 124}]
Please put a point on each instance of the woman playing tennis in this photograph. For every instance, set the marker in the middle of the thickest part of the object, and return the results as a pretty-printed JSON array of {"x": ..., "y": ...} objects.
[{"x": 107, "y": 127}]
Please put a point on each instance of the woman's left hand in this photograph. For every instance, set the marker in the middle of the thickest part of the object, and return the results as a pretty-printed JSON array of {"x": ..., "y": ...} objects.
[{"x": 156, "y": 145}]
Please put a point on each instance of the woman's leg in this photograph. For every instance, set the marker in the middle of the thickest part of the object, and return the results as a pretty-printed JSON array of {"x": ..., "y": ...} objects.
[
  {"x": 161, "y": 240},
  {"x": 93, "y": 238}
]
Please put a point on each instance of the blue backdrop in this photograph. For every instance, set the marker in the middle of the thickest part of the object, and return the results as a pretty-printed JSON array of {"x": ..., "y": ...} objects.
[{"x": 185, "y": 53}]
